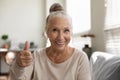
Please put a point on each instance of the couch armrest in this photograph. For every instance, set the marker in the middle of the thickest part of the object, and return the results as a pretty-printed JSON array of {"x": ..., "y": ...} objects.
[{"x": 105, "y": 66}]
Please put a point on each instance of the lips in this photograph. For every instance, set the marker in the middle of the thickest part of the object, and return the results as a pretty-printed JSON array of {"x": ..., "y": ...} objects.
[{"x": 59, "y": 43}]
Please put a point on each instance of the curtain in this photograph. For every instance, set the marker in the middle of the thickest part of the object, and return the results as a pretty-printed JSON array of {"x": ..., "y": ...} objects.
[
  {"x": 112, "y": 27},
  {"x": 112, "y": 43}
]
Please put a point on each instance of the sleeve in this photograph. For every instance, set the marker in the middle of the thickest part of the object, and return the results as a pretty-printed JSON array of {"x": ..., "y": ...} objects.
[
  {"x": 20, "y": 73},
  {"x": 84, "y": 68}
]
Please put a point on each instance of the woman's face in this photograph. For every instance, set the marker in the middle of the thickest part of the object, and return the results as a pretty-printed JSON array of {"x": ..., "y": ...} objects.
[{"x": 59, "y": 32}]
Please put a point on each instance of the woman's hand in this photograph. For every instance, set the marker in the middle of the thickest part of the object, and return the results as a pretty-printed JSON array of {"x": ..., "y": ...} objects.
[{"x": 25, "y": 57}]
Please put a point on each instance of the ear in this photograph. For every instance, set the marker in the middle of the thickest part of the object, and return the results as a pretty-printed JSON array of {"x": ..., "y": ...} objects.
[
  {"x": 47, "y": 34},
  {"x": 47, "y": 30}
]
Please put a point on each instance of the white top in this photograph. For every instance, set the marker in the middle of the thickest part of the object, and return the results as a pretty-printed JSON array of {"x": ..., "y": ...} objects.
[{"x": 74, "y": 68}]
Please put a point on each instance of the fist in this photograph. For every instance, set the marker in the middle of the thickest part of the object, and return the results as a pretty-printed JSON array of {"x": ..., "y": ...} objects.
[{"x": 25, "y": 57}]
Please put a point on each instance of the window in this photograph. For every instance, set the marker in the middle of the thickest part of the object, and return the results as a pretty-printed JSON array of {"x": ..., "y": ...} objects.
[
  {"x": 79, "y": 10},
  {"x": 112, "y": 27}
]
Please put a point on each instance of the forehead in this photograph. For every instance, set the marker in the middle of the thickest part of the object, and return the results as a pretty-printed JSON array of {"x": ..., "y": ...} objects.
[{"x": 59, "y": 21}]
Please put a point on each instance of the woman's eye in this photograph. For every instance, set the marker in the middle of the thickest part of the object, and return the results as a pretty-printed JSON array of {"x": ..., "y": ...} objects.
[
  {"x": 66, "y": 30},
  {"x": 54, "y": 30}
]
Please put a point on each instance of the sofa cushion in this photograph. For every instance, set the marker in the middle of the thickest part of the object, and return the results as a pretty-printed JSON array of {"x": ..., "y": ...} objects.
[{"x": 105, "y": 66}]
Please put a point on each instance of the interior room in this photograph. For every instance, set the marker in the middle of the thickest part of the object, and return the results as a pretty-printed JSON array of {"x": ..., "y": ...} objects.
[{"x": 96, "y": 28}]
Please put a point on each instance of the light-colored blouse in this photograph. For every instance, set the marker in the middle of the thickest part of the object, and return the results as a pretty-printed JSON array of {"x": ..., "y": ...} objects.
[{"x": 42, "y": 68}]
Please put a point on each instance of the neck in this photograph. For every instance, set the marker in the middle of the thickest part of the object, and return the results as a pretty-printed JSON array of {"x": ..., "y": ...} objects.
[
  {"x": 58, "y": 56},
  {"x": 53, "y": 52}
]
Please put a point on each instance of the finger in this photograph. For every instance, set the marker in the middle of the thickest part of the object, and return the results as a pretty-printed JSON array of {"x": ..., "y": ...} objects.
[
  {"x": 25, "y": 54},
  {"x": 24, "y": 64},
  {"x": 24, "y": 61},
  {"x": 25, "y": 57},
  {"x": 27, "y": 61},
  {"x": 27, "y": 46}
]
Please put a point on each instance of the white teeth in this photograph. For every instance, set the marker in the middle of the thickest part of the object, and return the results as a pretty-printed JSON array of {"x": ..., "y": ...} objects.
[{"x": 60, "y": 43}]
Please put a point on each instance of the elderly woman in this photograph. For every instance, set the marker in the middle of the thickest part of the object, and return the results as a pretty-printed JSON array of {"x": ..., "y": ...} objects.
[{"x": 57, "y": 62}]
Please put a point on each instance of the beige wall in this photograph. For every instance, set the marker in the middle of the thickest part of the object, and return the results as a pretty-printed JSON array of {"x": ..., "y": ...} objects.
[
  {"x": 23, "y": 20},
  {"x": 97, "y": 19}
]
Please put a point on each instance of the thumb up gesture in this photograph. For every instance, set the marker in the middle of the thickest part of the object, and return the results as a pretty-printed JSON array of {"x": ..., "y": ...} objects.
[{"x": 25, "y": 57}]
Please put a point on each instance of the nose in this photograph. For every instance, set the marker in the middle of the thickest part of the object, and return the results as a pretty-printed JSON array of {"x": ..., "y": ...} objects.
[{"x": 60, "y": 35}]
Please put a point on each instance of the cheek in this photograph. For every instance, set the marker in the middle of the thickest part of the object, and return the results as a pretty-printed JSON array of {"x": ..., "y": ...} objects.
[
  {"x": 68, "y": 37},
  {"x": 51, "y": 36}
]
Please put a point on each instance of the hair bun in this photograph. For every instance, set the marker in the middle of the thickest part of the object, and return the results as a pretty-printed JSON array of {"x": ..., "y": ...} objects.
[{"x": 56, "y": 7}]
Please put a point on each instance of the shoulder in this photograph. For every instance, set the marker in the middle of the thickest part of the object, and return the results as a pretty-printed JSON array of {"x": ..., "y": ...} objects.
[
  {"x": 80, "y": 56},
  {"x": 39, "y": 52},
  {"x": 80, "y": 53}
]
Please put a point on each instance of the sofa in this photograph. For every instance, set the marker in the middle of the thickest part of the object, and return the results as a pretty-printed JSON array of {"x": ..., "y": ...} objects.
[{"x": 105, "y": 66}]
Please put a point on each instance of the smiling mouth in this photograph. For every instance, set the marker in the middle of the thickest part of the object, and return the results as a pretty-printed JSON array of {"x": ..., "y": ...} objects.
[{"x": 59, "y": 43}]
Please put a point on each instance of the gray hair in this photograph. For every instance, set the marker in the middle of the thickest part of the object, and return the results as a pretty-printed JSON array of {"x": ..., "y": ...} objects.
[
  {"x": 56, "y": 7},
  {"x": 62, "y": 14}
]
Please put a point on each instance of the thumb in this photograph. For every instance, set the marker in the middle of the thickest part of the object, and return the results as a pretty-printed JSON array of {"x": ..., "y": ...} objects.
[{"x": 27, "y": 46}]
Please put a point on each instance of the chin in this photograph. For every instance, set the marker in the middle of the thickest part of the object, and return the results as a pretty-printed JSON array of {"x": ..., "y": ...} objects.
[{"x": 60, "y": 48}]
